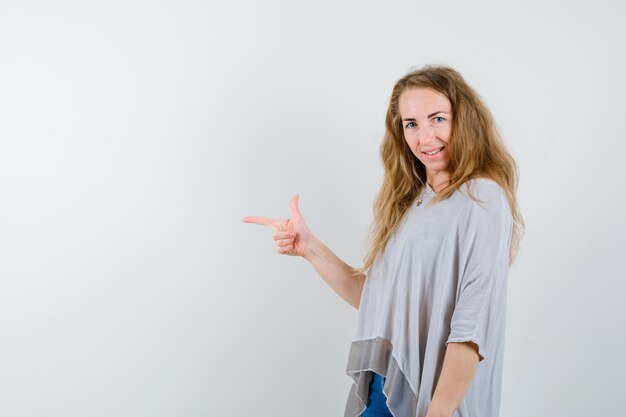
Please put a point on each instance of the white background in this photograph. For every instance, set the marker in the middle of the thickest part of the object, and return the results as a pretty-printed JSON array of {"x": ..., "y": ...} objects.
[{"x": 134, "y": 136}]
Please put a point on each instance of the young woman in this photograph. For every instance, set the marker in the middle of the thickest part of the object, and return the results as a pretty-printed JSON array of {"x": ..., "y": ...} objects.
[{"x": 432, "y": 291}]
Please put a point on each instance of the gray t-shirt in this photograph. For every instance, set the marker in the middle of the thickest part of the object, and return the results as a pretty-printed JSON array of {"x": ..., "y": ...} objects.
[{"x": 442, "y": 278}]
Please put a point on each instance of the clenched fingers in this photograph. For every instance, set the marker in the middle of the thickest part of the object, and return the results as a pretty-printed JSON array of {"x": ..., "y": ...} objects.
[
  {"x": 284, "y": 249},
  {"x": 283, "y": 235},
  {"x": 284, "y": 242}
]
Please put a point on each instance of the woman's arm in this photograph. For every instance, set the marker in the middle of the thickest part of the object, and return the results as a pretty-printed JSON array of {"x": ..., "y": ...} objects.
[
  {"x": 293, "y": 237},
  {"x": 477, "y": 322},
  {"x": 459, "y": 367},
  {"x": 340, "y": 276}
]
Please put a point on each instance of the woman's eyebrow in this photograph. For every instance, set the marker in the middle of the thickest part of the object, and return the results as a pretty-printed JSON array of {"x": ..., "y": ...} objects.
[{"x": 410, "y": 119}]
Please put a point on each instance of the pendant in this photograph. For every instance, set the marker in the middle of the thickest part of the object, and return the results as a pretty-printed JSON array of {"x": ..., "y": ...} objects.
[{"x": 419, "y": 202}]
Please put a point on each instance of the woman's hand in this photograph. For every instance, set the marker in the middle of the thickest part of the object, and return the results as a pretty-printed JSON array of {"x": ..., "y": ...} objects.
[{"x": 293, "y": 237}]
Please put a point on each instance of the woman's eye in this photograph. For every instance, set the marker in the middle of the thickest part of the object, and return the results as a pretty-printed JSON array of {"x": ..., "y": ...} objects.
[
  {"x": 410, "y": 124},
  {"x": 439, "y": 119}
]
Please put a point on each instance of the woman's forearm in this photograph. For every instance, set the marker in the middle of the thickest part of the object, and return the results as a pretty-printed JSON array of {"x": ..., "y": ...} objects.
[
  {"x": 340, "y": 276},
  {"x": 459, "y": 366}
]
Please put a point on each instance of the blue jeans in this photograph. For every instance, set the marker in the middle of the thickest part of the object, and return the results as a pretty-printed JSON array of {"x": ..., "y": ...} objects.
[{"x": 376, "y": 402}]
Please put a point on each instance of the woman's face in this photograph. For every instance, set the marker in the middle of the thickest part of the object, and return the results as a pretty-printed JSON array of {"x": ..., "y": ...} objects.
[{"x": 427, "y": 124}]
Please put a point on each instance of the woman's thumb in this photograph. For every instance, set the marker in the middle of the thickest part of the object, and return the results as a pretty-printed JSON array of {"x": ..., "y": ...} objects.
[{"x": 295, "y": 211}]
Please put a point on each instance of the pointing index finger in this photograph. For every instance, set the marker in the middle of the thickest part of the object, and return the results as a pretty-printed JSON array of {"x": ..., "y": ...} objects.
[{"x": 265, "y": 221}]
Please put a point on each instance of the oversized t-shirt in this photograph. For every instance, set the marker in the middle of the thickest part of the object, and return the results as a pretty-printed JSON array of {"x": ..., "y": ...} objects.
[{"x": 441, "y": 278}]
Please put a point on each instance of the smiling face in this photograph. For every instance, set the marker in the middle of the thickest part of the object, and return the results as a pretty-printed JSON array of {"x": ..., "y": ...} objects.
[{"x": 427, "y": 124}]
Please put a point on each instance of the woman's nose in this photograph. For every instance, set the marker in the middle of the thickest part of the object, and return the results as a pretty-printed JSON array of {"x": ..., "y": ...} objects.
[{"x": 425, "y": 133}]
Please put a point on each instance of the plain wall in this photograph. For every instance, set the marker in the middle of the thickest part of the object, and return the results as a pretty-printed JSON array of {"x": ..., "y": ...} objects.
[{"x": 134, "y": 136}]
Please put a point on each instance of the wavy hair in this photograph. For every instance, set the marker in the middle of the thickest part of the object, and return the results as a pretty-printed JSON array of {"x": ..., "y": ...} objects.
[{"x": 476, "y": 149}]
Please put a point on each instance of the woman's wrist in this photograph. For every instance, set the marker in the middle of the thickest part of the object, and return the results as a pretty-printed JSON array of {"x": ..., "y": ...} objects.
[
  {"x": 434, "y": 411},
  {"x": 315, "y": 250}
]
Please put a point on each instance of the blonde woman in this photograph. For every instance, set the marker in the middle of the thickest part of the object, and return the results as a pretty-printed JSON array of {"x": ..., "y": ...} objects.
[{"x": 432, "y": 291}]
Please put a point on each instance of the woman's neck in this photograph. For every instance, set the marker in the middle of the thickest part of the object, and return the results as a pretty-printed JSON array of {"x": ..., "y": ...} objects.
[{"x": 439, "y": 181}]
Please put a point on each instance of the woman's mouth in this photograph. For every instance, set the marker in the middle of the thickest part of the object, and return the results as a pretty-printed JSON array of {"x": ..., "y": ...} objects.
[{"x": 432, "y": 154}]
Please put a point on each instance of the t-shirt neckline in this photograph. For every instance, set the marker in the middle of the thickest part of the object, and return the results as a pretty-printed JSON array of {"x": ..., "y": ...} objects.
[{"x": 429, "y": 189}]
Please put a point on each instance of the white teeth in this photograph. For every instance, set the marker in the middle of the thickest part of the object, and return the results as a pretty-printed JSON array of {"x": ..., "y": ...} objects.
[{"x": 433, "y": 152}]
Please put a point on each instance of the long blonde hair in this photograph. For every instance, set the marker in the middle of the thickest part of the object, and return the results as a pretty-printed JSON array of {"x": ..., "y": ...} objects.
[{"x": 476, "y": 149}]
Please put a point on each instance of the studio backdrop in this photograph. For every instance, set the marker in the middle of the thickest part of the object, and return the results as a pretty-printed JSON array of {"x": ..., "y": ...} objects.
[{"x": 135, "y": 135}]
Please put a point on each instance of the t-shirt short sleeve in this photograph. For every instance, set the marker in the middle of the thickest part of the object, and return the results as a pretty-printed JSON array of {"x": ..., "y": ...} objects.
[{"x": 480, "y": 305}]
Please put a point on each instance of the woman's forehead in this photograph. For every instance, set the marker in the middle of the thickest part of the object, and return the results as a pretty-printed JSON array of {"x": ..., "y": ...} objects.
[{"x": 422, "y": 101}]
